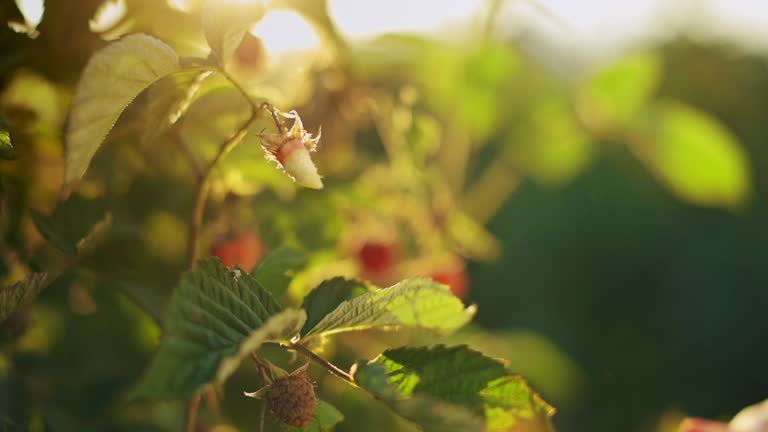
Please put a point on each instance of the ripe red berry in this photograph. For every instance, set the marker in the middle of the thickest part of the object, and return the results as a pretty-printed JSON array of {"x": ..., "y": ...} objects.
[
  {"x": 377, "y": 257},
  {"x": 292, "y": 400},
  {"x": 455, "y": 277},
  {"x": 244, "y": 250},
  {"x": 702, "y": 425}
]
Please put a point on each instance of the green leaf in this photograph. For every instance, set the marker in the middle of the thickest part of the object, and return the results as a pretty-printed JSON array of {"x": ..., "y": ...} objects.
[
  {"x": 45, "y": 227},
  {"x": 225, "y": 24},
  {"x": 22, "y": 292},
  {"x": 425, "y": 384},
  {"x": 6, "y": 148},
  {"x": 327, "y": 297},
  {"x": 695, "y": 156},
  {"x": 326, "y": 416},
  {"x": 272, "y": 271},
  {"x": 214, "y": 319},
  {"x": 95, "y": 236},
  {"x": 418, "y": 303},
  {"x": 614, "y": 96},
  {"x": 84, "y": 246},
  {"x": 168, "y": 101},
  {"x": 113, "y": 78},
  {"x": 556, "y": 147}
]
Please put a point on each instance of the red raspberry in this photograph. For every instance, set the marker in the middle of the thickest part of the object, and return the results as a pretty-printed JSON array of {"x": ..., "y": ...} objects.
[
  {"x": 244, "y": 250},
  {"x": 455, "y": 277},
  {"x": 377, "y": 257}
]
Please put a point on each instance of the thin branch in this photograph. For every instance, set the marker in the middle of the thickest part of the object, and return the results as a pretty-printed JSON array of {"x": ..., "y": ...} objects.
[
  {"x": 203, "y": 186},
  {"x": 194, "y": 405},
  {"x": 332, "y": 368},
  {"x": 261, "y": 367},
  {"x": 212, "y": 399},
  {"x": 262, "y": 415}
]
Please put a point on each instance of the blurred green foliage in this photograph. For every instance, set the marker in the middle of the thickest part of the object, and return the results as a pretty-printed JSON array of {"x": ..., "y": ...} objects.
[{"x": 614, "y": 224}]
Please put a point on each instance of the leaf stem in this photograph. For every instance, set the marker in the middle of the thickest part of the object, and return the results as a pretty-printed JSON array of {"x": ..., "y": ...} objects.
[
  {"x": 203, "y": 187},
  {"x": 194, "y": 404},
  {"x": 332, "y": 368},
  {"x": 262, "y": 415}
]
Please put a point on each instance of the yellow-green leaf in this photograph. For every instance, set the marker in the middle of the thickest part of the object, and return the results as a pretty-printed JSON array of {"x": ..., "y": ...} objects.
[
  {"x": 113, "y": 78},
  {"x": 453, "y": 388},
  {"x": 614, "y": 96},
  {"x": 225, "y": 24},
  {"x": 416, "y": 303},
  {"x": 695, "y": 156}
]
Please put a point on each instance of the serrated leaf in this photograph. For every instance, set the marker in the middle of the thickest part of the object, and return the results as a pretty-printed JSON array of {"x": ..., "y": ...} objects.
[
  {"x": 46, "y": 229},
  {"x": 326, "y": 416},
  {"x": 328, "y": 296},
  {"x": 614, "y": 96},
  {"x": 225, "y": 24},
  {"x": 215, "y": 318},
  {"x": 417, "y": 303},
  {"x": 695, "y": 156},
  {"x": 113, "y": 78},
  {"x": 22, "y": 292},
  {"x": 84, "y": 246},
  {"x": 458, "y": 377},
  {"x": 271, "y": 272}
]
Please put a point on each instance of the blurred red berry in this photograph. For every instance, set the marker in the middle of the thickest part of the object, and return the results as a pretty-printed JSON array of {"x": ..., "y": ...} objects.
[
  {"x": 250, "y": 58},
  {"x": 702, "y": 425},
  {"x": 244, "y": 250},
  {"x": 457, "y": 278},
  {"x": 377, "y": 257}
]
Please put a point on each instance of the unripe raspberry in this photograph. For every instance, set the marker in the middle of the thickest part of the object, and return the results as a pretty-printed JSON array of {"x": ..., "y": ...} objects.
[{"x": 292, "y": 399}]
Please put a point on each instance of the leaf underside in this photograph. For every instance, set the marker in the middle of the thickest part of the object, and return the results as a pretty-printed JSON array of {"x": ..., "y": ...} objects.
[{"x": 113, "y": 78}]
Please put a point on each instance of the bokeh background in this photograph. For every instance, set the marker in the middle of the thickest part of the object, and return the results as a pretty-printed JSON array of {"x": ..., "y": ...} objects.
[{"x": 591, "y": 173}]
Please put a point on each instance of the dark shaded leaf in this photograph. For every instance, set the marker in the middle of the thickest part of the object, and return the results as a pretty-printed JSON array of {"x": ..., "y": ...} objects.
[
  {"x": 272, "y": 271},
  {"x": 215, "y": 318},
  {"x": 327, "y": 297}
]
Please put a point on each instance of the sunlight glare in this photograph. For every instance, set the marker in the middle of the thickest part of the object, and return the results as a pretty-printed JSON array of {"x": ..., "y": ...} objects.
[
  {"x": 32, "y": 10},
  {"x": 180, "y": 5},
  {"x": 284, "y": 32},
  {"x": 356, "y": 18},
  {"x": 108, "y": 15}
]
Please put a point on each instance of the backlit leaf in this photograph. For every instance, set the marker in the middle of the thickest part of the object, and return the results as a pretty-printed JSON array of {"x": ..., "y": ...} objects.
[
  {"x": 427, "y": 385},
  {"x": 695, "y": 156},
  {"x": 225, "y": 24},
  {"x": 113, "y": 78},
  {"x": 417, "y": 303},
  {"x": 614, "y": 96}
]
